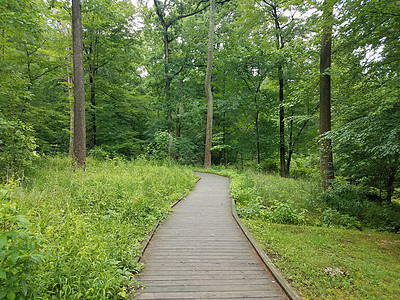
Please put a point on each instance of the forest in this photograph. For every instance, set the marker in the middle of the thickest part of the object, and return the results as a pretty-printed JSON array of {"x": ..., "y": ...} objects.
[
  {"x": 145, "y": 64},
  {"x": 302, "y": 91}
]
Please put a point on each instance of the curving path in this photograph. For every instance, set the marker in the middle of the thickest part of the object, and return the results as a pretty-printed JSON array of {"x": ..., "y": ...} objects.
[{"x": 199, "y": 252}]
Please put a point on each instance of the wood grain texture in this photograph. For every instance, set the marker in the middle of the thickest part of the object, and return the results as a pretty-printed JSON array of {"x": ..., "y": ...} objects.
[{"x": 201, "y": 253}]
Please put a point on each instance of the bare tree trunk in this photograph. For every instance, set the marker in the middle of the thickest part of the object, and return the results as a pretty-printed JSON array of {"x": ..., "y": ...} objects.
[
  {"x": 79, "y": 88},
  {"x": 279, "y": 45},
  {"x": 282, "y": 148},
  {"x": 257, "y": 124},
  {"x": 326, "y": 159},
  {"x": 207, "y": 154},
  {"x": 92, "y": 72},
  {"x": 224, "y": 141},
  {"x": 70, "y": 80},
  {"x": 178, "y": 119},
  {"x": 290, "y": 146}
]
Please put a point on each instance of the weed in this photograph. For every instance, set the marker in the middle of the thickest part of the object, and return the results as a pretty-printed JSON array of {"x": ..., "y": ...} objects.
[{"x": 91, "y": 223}]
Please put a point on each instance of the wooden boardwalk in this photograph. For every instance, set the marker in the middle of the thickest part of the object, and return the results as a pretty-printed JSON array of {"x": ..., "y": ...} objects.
[{"x": 199, "y": 252}]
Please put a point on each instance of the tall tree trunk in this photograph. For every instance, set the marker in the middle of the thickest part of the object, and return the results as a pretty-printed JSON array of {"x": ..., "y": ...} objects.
[
  {"x": 79, "y": 88},
  {"x": 282, "y": 148},
  {"x": 224, "y": 141},
  {"x": 326, "y": 159},
  {"x": 168, "y": 89},
  {"x": 208, "y": 145},
  {"x": 257, "y": 125},
  {"x": 70, "y": 80},
  {"x": 178, "y": 119},
  {"x": 93, "y": 107},
  {"x": 291, "y": 146},
  {"x": 279, "y": 45}
]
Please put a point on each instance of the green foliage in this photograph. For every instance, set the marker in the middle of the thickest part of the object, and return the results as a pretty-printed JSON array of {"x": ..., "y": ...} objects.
[
  {"x": 330, "y": 263},
  {"x": 92, "y": 222},
  {"x": 17, "y": 146},
  {"x": 274, "y": 199},
  {"x": 20, "y": 249},
  {"x": 349, "y": 206}
]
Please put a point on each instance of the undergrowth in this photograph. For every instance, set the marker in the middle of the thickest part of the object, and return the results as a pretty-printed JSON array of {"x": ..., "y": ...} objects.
[
  {"x": 302, "y": 202},
  {"x": 74, "y": 234},
  {"x": 329, "y": 245}
]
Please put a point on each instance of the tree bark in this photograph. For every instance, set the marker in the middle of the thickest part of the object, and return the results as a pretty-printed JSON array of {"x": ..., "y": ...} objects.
[
  {"x": 290, "y": 146},
  {"x": 79, "y": 88},
  {"x": 256, "y": 123},
  {"x": 282, "y": 148},
  {"x": 208, "y": 145},
  {"x": 279, "y": 45},
  {"x": 178, "y": 119},
  {"x": 326, "y": 159},
  {"x": 70, "y": 80}
]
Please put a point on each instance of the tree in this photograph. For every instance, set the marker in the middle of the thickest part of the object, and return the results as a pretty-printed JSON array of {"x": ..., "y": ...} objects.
[
  {"x": 79, "y": 87},
  {"x": 326, "y": 159},
  {"x": 207, "y": 154},
  {"x": 366, "y": 131}
]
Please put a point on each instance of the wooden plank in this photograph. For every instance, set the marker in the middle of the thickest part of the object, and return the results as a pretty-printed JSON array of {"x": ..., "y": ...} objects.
[
  {"x": 210, "y": 295},
  {"x": 201, "y": 253},
  {"x": 197, "y": 281},
  {"x": 212, "y": 288}
]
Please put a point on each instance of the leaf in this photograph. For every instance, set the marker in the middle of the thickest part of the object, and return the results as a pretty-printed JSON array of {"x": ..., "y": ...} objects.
[
  {"x": 24, "y": 287},
  {"x": 23, "y": 220},
  {"x": 11, "y": 295},
  {"x": 3, "y": 241},
  {"x": 3, "y": 274},
  {"x": 3, "y": 294}
]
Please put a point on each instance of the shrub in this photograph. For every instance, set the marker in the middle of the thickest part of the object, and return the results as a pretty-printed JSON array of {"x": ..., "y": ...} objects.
[
  {"x": 17, "y": 146},
  {"x": 19, "y": 250},
  {"x": 352, "y": 203}
]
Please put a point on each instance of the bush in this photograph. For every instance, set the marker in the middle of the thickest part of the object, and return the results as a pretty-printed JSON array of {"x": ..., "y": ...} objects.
[
  {"x": 351, "y": 201},
  {"x": 17, "y": 146},
  {"x": 19, "y": 250}
]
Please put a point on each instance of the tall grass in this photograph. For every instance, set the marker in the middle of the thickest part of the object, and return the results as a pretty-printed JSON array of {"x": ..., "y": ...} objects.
[
  {"x": 322, "y": 242},
  {"x": 302, "y": 202},
  {"x": 91, "y": 223}
]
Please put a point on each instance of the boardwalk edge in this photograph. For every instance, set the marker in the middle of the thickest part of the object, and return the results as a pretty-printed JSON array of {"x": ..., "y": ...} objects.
[
  {"x": 287, "y": 288},
  {"x": 149, "y": 236}
]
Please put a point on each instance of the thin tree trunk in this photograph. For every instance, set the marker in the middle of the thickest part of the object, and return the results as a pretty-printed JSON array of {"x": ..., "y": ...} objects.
[
  {"x": 79, "y": 88},
  {"x": 207, "y": 154},
  {"x": 257, "y": 125},
  {"x": 279, "y": 45},
  {"x": 93, "y": 109},
  {"x": 224, "y": 141},
  {"x": 70, "y": 80},
  {"x": 291, "y": 147},
  {"x": 178, "y": 120},
  {"x": 92, "y": 71},
  {"x": 282, "y": 148},
  {"x": 326, "y": 159}
]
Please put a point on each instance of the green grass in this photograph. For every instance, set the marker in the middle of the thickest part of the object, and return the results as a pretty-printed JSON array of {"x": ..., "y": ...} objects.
[
  {"x": 370, "y": 261},
  {"x": 312, "y": 236},
  {"x": 89, "y": 225}
]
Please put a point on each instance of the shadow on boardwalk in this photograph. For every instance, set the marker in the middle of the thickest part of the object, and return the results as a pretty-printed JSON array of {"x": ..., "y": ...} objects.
[{"x": 201, "y": 253}]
